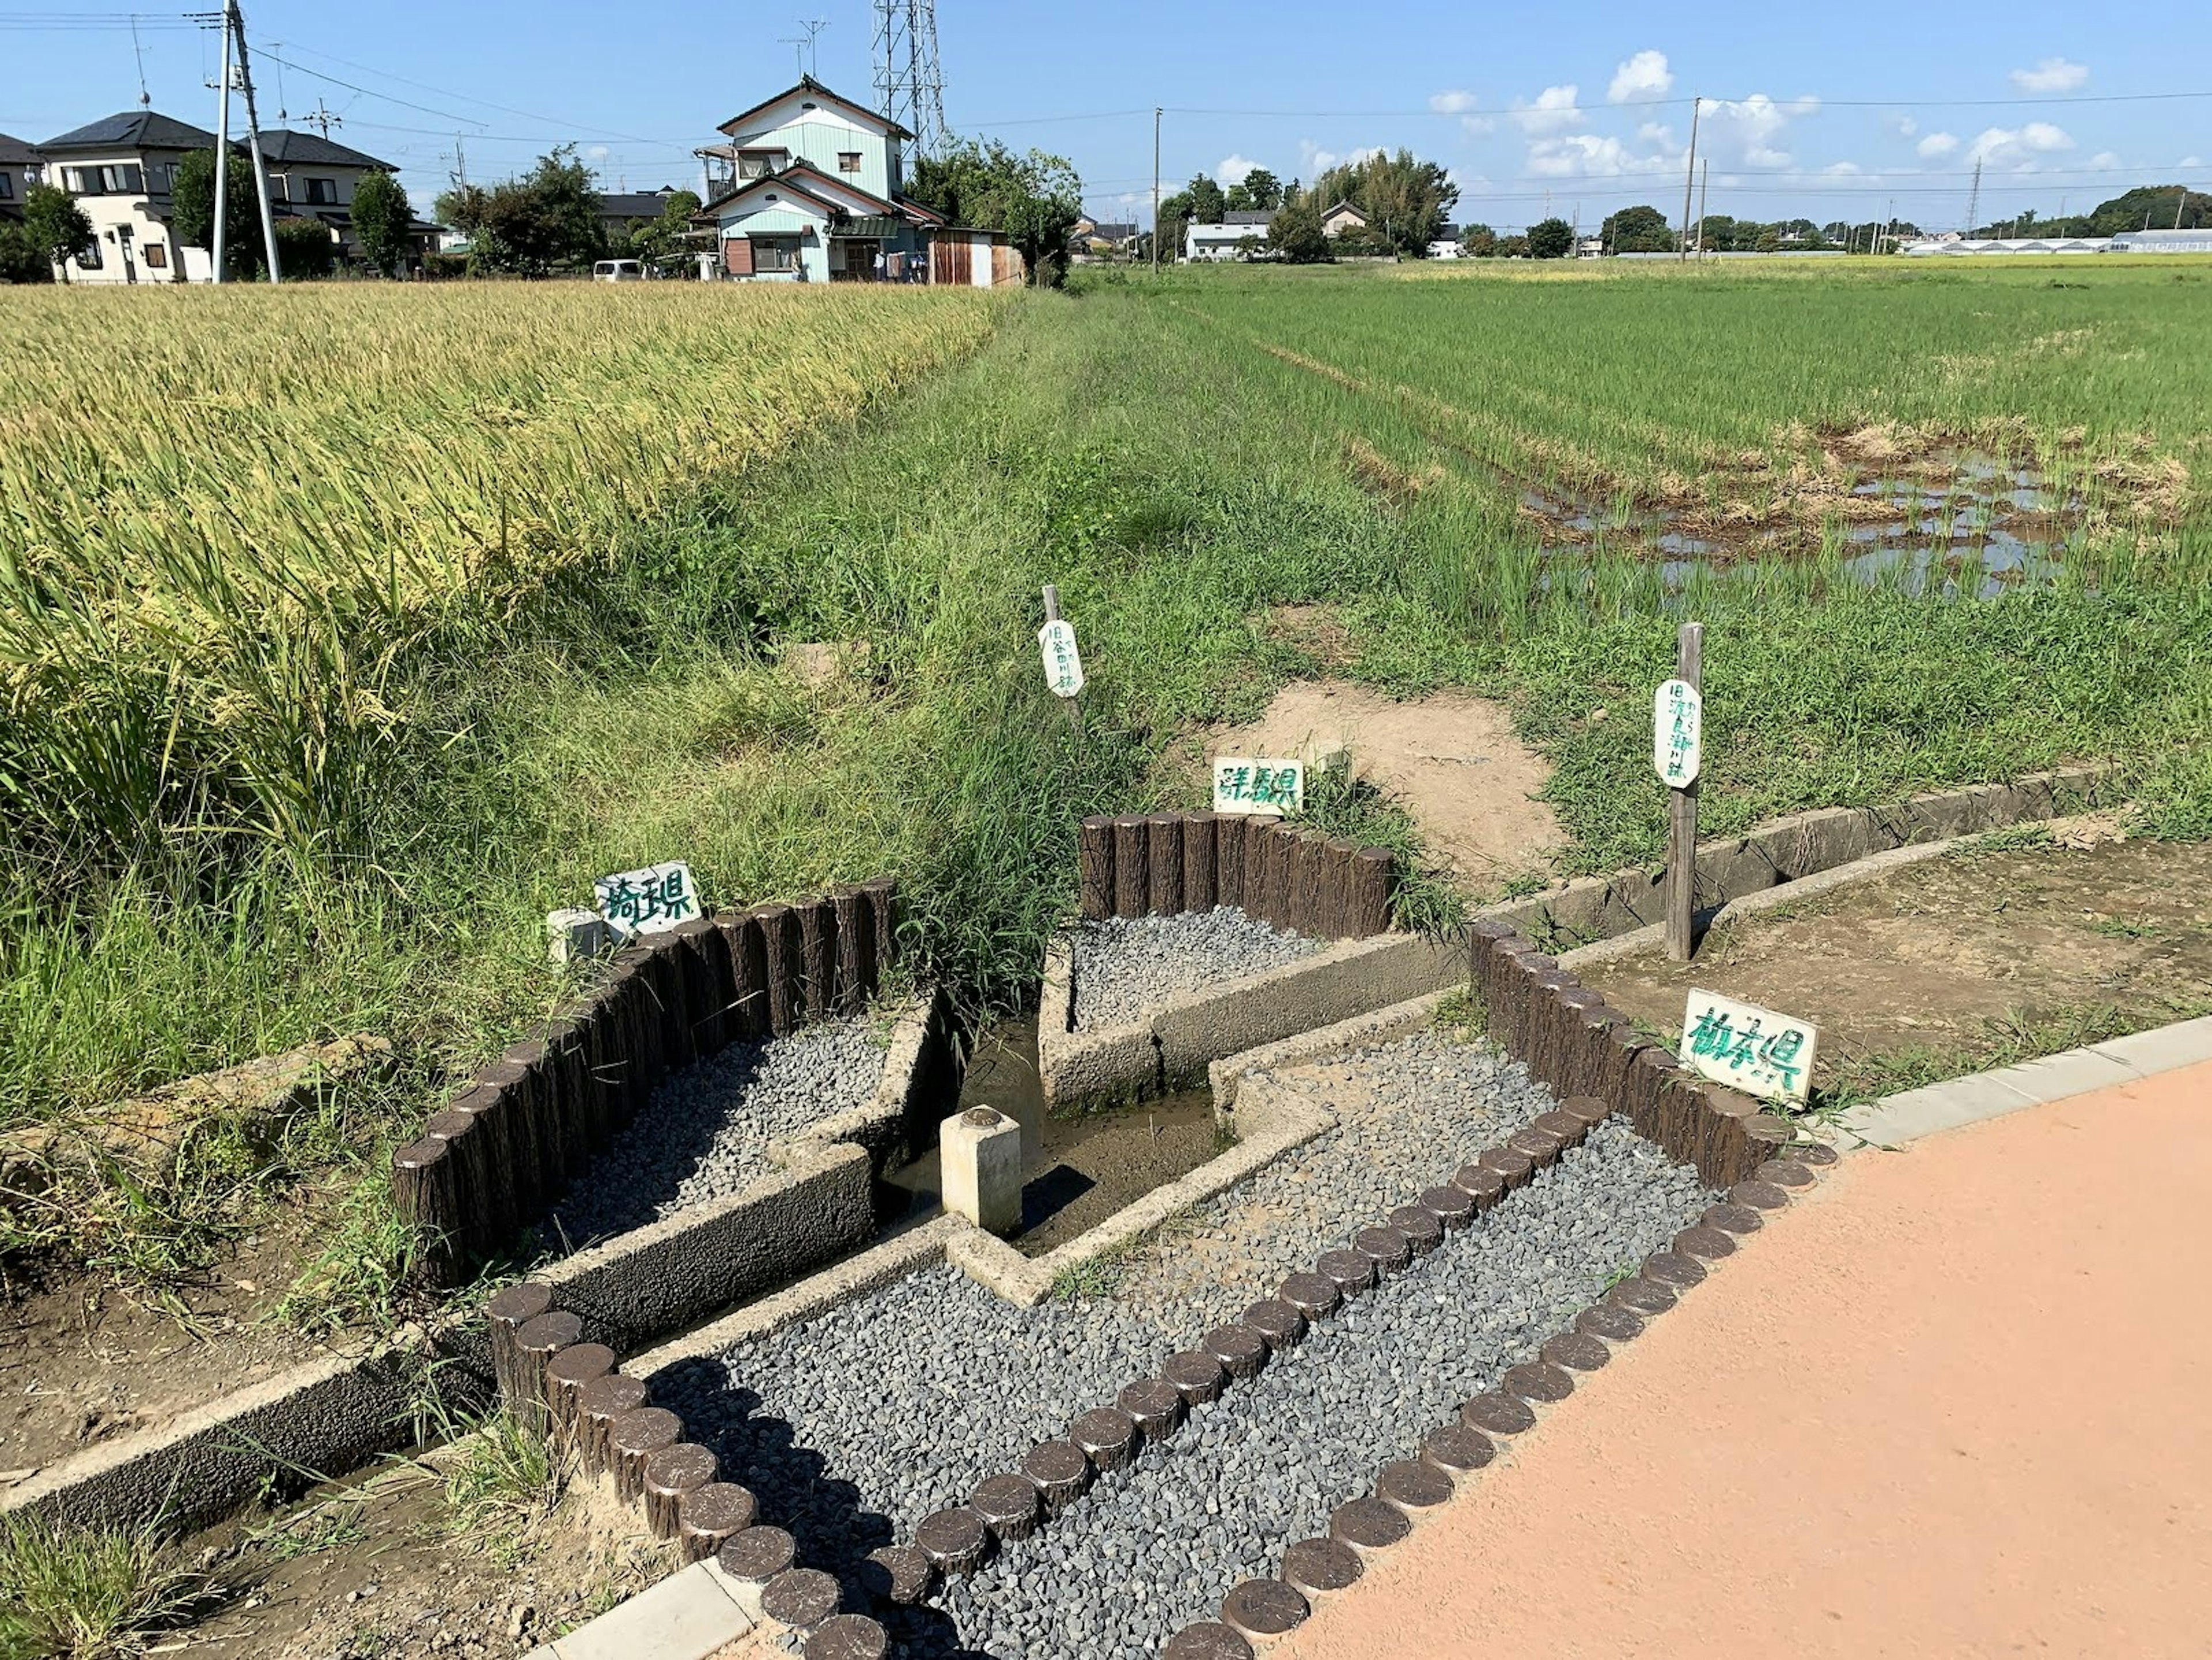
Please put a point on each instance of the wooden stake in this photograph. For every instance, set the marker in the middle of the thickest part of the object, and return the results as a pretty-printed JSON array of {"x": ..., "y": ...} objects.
[
  {"x": 1075, "y": 703},
  {"x": 1682, "y": 816}
]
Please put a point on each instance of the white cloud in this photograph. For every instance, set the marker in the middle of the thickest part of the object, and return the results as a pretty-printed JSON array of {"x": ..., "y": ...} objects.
[
  {"x": 1903, "y": 126},
  {"x": 1658, "y": 133},
  {"x": 1937, "y": 144},
  {"x": 1642, "y": 78},
  {"x": 1452, "y": 103},
  {"x": 1314, "y": 161},
  {"x": 1841, "y": 169},
  {"x": 1232, "y": 169},
  {"x": 2186, "y": 161},
  {"x": 2103, "y": 159},
  {"x": 1586, "y": 155},
  {"x": 1553, "y": 111},
  {"x": 2052, "y": 74},
  {"x": 1751, "y": 128},
  {"x": 2018, "y": 147}
]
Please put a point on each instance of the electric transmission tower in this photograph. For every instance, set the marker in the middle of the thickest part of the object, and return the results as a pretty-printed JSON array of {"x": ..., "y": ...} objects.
[{"x": 909, "y": 85}]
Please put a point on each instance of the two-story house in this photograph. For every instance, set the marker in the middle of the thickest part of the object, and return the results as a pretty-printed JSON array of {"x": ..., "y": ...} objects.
[
  {"x": 120, "y": 171},
  {"x": 312, "y": 177},
  {"x": 19, "y": 171}
]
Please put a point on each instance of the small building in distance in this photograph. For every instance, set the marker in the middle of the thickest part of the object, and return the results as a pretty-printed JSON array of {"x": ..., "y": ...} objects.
[
  {"x": 1340, "y": 217},
  {"x": 1962, "y": 246},
  {"x": 314, "y": 176},
  {"x": 19, "y": 171},
  {"x": 2163, "y": 241},
  {"x": 1225, "y": 239},
  {"x": 1097, "y": 236}
]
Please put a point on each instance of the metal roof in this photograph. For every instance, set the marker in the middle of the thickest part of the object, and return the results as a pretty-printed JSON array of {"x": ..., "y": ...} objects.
[
  {"x": 311, "y": 149},
  {"x": 1249, "y": 217},
  {"x": 635, "y": 204},
  {"x": 14, "y": 151},
  {"x": 134, "y": 129}
]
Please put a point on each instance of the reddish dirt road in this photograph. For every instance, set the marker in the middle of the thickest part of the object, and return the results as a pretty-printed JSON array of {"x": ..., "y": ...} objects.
[{"x": 1951, "y": 1405}]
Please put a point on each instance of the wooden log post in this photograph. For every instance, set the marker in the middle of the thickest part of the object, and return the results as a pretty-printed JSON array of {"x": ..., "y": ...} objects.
[
  {"x": 1482, "y": 937},
  {"x": 787, "y": 1000},
  {"x": 1163, "y": 851},
  {"x": 605, "y": 1402},
  {"x": 1340, "y": 876},
  {"x": 817, "y": 950},
  {"x": 1282, "y": 874},
  {"x": 1133, "y": 866},
  {"x": 664, "y": 969},
  {"x": 633, "y": 1439},
  {"x": 748, "y": 951},
  {"x": 1095, "y": 853},
  {"x": 509, "y": 1310},
  {"x": 710, "y": 1020},
  {"x": 1374, "y": 880},
  {"x": 541, "y": 1082},
  {"x": 671, "y": 1474},
  {"x": 712, "y": 1515},
  {"x": 1230, "y": 843},
  {"x": 575, "y": 1096},
  {"x": 535, "y": 1342},
  {"x": 702, "y": 1000},
  {"x": 426, "y": 1191},
  {"x": 884, "y": 918},
  {"x": 568, "y": 1375},
  {"x": 856, "y": 949},
  {"x": 1682, "y": 814},
  {"x": 502, "y": 1096},
  {"x": 1201, "y": 875},
  {"x": 1308, "y": 875}
]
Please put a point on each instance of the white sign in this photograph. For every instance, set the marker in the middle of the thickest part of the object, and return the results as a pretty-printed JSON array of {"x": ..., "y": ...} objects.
[
  {"x": 649, "y": 901},
  {"x": 1678, "y": 721},
  {"x": 1748, "y": 1047},
  {"x": 1244, "y": 785},
  {"x": 1063, "y": 664}
]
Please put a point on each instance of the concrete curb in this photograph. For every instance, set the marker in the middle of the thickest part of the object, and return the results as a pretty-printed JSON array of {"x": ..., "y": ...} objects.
[
  {"x": 1897, "y": 1120},
  {"x": 1269, "y": 1124},
  {"x": 1324, "y": 1043}
]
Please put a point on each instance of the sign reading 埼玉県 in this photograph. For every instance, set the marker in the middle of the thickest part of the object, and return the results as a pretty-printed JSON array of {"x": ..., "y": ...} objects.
[
  {"x": 1678, "y": 719},
  {"x": 1748, "y": 1047},
  {"x": 649, "y": 901},
  {"x": 1063, "y": 664},
  {"x": 1243, "y": 785}
]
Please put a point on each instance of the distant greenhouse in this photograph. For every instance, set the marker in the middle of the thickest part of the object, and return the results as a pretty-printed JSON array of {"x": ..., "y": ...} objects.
[
  {"x": 2163, "y": 241},
  {"x": 1965, "y": 245}
]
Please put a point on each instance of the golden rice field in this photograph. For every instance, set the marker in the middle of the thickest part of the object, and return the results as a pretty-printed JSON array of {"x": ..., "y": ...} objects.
[{"x": 224, "y": 516}]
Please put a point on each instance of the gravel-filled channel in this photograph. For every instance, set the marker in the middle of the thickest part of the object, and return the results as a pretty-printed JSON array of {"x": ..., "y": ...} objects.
[
  {"x": 705, "y": 1134},
  {"x": 1151, "y": 1551},
  {"x": 1125, "y": 966}
]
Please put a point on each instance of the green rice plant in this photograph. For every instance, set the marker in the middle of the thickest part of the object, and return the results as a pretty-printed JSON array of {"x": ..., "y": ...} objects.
[{"x": 70, "y": 1593}]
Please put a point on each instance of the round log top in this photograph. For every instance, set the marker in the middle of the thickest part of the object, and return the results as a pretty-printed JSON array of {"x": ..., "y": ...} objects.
[
  {"x": 1321, "y": 1565},
  {"x": 757, "y": 1554},
  {"x": 848, "y": 1637}
]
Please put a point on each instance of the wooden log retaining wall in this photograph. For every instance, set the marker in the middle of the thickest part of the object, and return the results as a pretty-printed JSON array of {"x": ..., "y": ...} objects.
[
  {"x": 512, "y": 1138},
  {"x": 1568, "y": 1038},
  {"x": 1288, "y": 875}
]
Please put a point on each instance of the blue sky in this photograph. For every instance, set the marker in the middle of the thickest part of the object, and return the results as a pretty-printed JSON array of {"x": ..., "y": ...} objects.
[{"x": 1833, "y": 111}]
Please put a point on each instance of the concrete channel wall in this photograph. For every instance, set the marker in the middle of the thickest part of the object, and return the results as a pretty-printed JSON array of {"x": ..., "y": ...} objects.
[
  {"x": 1171, "y": 1046},
  {"x": 331, "y": 1414}
]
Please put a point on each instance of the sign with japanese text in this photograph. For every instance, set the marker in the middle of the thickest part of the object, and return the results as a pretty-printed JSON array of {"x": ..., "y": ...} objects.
[
  {"x": 1063, "y": 664},
  {"x": 1748, "y": 1047},
  {"x": 1244, "y": 785},
  {"x": 649, "y": 901},
  {"x": 1678, "y": 721}
]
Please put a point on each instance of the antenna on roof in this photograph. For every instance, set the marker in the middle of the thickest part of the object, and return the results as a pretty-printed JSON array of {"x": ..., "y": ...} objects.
[
  {"x": 283, "y": 112},
  {"x": 138, "y": 51},
  {"x": 802, "y": 46}
]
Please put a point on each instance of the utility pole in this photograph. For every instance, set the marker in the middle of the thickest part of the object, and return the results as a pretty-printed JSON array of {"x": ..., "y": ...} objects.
[
  {"x": 1974, "y": 200},
  {"x": 2179, "y": 203},
  {"x": 1690, "y": 174},
  {"x": 324, "y": 119},
  {"x": 1156, "y": 190},
  {"x": 254, "y": 143},
  {"x": 460, "y": 162},
  {"x": 222, "y": 151},
  {"x": 1704, "y": 174}
]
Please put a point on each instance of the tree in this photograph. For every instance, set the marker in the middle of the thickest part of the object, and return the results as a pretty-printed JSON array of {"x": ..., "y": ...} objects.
[
  {"x": 21, "y": 259},
  {"x": 304, "y": 249},
  {"x": 1479, "y": 240},
  {"x": 1264, "y": 189},
  {"x": 1175, "y": 214},
  {"x": 1207, "y": 203},
  {"x": 1406, "y": 200},
  {"x": 1239, "y": 200},
  {"x": 2152, "y": 207},
  {"x": 191, "y": 199},
  {"x": 1513, "y": 247},
  {"x": 1768, "y": 240},
  {"x": 381, "y": 214},
  {"x": 1035, "y": 197},
  {"x": 1551, "y": 239},
  {"x": 1295, "y": 233},
  {"x": 530, "y": 226},
  {"x": 1641, "y": 229},
  {"x": 57, "y": 227}
]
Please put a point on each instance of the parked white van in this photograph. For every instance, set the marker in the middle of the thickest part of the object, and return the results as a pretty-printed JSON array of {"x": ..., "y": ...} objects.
[{"x": 618, "y": 271}]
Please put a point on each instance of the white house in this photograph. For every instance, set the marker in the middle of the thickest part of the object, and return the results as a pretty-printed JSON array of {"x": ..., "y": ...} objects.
[
  {"x": 312, "y": 177},
  {"x": 19, "y": 171},
  {"x": 812, "y": 188},
  {"x": 120, "y": 170},
  {"x": 1222, "y": 239},
  {"x": 1340, "y": 218}
]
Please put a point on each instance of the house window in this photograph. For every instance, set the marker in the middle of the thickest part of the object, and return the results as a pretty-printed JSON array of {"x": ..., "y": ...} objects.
[
  {"x": 849, "y": 161},
  {"x": 322, "y": 193},
  {"x": 157, "y": 256},
  {"x": 758, "y": 164},
  {"x": 776, "y": 253},
  {"x": 87, "y": 256},
  {"x": 113, "y": 178},
  {"x": 7, "y": 185}
]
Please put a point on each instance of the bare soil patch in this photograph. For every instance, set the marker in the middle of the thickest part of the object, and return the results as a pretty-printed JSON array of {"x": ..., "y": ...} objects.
[
  {"x": 1451, "y": 760},
  {"x": 1978, "y": 957}
]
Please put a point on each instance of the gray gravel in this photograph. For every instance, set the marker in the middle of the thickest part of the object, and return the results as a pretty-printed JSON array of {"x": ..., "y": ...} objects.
[
  {"x": 705, "y": 1134},
  {"x": 1409, "y": 1114},
  {"x": 1151, "y": 1550},
  {"x": 1125, "y": 966}
]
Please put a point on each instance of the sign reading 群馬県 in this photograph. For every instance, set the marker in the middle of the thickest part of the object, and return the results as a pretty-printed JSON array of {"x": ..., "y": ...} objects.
[
  {"x": 1244, "y": 785},
  {"x": 649, "y": 901},
  {"x": 1748, "y": 1047},
  {"x": 1063, "y": 664},
  {"x": 1678, "y": 743}
]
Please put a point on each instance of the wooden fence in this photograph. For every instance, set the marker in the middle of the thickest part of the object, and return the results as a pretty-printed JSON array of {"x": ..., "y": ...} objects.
[
  {"x": 511, "y": 1139},
  {"x": 1287, "y": 875}
]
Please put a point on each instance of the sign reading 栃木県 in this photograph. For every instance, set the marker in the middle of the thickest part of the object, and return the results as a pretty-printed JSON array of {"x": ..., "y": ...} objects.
[
  {"x": 1678, "y": 720},
  {"x": 1747, "y": 1048},
  {"x": 649, "y": 901}
]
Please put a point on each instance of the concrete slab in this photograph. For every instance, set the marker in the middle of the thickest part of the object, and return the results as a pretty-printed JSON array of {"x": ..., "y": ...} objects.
[
  {"x": 2162, "y": 1048},
  {"x": 687, "y": 1616}
]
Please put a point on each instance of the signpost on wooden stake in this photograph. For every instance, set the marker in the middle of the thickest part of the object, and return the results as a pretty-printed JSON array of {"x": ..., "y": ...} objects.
[
  {"x": 1677, "y": 755},
  {"x": 1063, "y": 664}
]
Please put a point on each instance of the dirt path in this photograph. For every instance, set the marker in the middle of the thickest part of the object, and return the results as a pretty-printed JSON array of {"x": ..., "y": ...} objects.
[{"x": 1950, "y": 1405}]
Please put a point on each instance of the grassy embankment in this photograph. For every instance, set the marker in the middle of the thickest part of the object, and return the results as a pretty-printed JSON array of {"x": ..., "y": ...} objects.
[{"x": 1177, "y": 477}]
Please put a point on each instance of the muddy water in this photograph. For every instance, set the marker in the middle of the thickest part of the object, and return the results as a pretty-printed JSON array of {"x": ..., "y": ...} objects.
[{"x": 1077, "y": 1171}]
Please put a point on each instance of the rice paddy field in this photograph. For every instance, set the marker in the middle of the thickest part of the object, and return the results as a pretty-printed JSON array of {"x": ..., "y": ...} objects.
[{"x": 347, "y": 630}]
